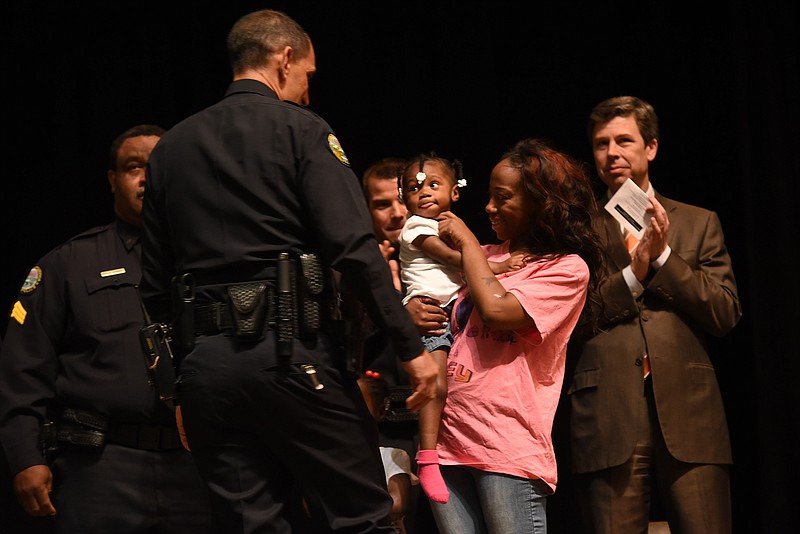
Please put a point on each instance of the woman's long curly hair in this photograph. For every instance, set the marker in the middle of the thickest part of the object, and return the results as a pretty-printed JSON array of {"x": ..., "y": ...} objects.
[{"x": 561, "y": 194}]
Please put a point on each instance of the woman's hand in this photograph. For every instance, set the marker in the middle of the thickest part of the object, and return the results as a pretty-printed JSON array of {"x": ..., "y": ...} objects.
[
  {"x": 497, "y": 308},
  {"x": 454, "y": 232}
]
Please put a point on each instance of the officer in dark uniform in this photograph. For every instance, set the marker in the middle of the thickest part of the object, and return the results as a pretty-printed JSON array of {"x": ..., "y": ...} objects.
[
  {"x": 72, "y": 355},
  {"x": 265, "y": 397}
]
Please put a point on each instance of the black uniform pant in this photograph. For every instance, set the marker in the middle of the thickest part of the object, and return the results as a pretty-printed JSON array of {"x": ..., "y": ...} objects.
[
  {"x": 696, "y": 497},
  {"x": 121, "y": 490},
  {"x": 260, "y": 433}
]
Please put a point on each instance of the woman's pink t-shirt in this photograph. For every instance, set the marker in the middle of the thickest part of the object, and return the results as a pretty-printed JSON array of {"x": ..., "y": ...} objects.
[{"x": 504, "y": 386}]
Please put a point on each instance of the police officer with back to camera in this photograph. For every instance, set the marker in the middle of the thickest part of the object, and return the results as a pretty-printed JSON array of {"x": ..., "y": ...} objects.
[
  {"x": 72, "y": 355},
  {"x": 251, "y": 203}
]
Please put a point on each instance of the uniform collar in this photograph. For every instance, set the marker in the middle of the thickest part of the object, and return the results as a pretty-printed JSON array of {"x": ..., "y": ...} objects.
[
  {"x": 250, "y": 86},
  {"x": 128, "y": 233}
]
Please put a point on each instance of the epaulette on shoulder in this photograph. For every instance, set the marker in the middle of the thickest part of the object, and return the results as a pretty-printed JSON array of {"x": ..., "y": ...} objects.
[
  {"x": 91, "y": 232},
  {"x": 303, "y": 110},
  {"x": 86, "y": 234}
]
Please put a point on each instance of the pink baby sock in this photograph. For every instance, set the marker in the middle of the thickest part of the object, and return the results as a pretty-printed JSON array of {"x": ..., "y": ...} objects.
[{"x": 430, "y": 477}]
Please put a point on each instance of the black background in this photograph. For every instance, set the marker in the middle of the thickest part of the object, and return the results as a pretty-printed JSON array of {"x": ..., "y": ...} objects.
[{"x": 466, "y": 80}]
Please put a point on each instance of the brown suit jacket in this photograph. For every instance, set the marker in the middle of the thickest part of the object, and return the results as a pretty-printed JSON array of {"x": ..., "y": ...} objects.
[{"x": 691, "y": 296}]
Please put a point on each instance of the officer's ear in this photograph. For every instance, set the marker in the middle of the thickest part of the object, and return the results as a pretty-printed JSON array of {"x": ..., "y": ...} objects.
[
  {"x": 285, "y": 57},
  {"x": 112, "y": 180}
]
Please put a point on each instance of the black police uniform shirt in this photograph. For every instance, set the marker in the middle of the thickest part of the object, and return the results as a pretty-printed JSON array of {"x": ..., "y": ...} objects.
[
  {"x": 73, "y": 339},
  {"x": 232, "y": 186}
]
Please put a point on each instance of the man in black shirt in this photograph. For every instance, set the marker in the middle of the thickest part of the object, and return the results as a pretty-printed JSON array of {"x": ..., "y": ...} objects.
[{"x": 264, "y": 396}]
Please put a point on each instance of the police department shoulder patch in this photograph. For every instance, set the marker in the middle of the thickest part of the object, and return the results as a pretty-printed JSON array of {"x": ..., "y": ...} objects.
[
  {"x": 337, "y": 149},
  {"x": 32, "y": 280}
]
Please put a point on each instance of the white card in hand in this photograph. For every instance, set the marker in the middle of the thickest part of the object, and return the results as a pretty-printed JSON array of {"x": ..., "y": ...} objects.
[{"x": 628, "y": 206}]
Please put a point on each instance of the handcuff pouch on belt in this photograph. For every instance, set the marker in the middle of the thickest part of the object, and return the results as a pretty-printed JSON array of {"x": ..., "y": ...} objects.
[{"x": 249, "y": 306}]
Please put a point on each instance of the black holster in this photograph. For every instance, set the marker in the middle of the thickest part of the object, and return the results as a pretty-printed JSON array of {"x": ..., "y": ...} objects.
[{"x": 155, "y": 339}]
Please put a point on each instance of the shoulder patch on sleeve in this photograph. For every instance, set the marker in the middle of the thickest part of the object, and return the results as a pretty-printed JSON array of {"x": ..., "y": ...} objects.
[
  {"x": 337, "y": 149},
  {"x": 32, "y": 280}
]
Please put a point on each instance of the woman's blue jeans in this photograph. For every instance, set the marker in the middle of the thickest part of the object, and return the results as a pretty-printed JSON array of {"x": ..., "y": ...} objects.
[{"x": 482, "y": 502}]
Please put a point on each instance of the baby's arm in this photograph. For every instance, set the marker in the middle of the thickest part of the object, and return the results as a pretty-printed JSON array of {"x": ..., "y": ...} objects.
[
  {"x": 437, "y": 249},
  {"x": 513, "y": 263}
]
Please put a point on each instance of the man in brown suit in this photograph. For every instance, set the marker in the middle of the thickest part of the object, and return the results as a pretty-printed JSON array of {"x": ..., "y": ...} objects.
[{"x": 645, "y": 404}]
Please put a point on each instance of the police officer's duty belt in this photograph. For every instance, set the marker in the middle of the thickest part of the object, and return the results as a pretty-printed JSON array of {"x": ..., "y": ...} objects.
[
  {"x": 292, "y": 305},
  {"x": 89, "y": 429}
]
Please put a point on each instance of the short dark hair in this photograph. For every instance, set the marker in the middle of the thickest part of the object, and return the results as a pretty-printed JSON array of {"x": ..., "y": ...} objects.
[
  {"x": 388, "y": 168},
  {"x": 258, "y": 35},
  {"x": 136, "y": 131},
  {"x": 624, "y": 106}
]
